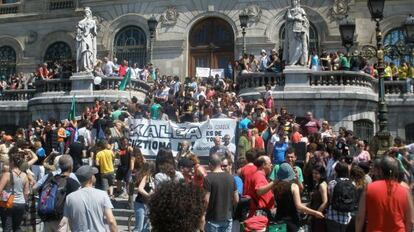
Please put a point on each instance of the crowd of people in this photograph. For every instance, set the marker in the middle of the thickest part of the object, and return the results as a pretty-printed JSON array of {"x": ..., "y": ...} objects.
[
  {"x": 325, "y": 61},
  {"x": 282, "y": 171}
]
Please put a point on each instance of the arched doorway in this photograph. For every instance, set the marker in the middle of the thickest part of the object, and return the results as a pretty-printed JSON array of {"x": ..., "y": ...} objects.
[
  {"x": 211, "y": 45},
  {"x": 131, "y": 44},
  {"x": 7, "y": 61}
]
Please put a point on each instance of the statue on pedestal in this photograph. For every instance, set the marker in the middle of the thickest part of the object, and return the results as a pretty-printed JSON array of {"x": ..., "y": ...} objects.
[
  {"x": 295, "y": 47},
  {"x": 86, "y": 31}
]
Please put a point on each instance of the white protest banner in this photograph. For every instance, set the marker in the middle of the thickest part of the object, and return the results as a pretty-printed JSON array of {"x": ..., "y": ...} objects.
[
  {"x": 219, "y": 71},
  {"x": 202, "y": 72},
  {"x": 151, "y": 135}
]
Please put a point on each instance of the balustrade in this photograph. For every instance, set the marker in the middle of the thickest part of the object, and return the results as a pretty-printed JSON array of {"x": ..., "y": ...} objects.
[
  {"x": 55, "y": 85},
  {"x": 252, "y": 80},
  {"x": 340, "y": 78},
  {"x": 396, "y": 87},
  {"x": 10, "y": 8},
  {"x": 112, "y": 83},
  {"x": 61, "y": 4},
  {"x": 17, "y": 95}
]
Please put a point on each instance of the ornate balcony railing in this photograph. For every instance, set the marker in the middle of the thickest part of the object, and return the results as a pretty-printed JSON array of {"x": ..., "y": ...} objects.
[
  {"x": 396, "y": 87},
  {"x": 10, "y": 8},
  {"x": 61, "y": 4},
  {"x": 252, "y": 80},
  {"x": 17, "y": 95},
  {"x": 54, "y": 85},
  {"x": 341, "y": 78},
  {"x": 112, "y": 83}
]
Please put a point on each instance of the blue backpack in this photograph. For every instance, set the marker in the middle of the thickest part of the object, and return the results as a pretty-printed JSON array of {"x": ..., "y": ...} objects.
[{"x": 52, "y": 198}]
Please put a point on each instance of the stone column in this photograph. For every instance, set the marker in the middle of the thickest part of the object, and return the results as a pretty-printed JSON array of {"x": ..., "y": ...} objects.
[{"x": 296, "y": 78}]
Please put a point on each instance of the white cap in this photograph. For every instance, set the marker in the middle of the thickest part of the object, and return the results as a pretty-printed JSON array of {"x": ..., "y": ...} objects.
[{"x": 263, "y": 51}]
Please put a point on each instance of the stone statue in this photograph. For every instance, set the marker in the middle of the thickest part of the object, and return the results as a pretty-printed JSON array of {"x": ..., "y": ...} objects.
[
  {"x": 86, "y": 43},
  {"x": 295, "y": 47}
]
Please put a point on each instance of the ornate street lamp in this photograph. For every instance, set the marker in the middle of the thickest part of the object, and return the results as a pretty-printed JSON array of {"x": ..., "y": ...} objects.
[
  {"x": 244, "y": 18},
  {"x": 382, "y": 140},
  {"x": 347, "y": 30},
  {"x": 152, "y": 26},
  {"x": 409, "y": 28}
]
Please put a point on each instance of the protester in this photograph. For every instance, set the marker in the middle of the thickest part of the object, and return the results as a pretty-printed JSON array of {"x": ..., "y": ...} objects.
[
  {"x": 96, "y": 201},
  {"x": 145, "y": 181},
  {"x": 221, "y": 196},
  {"x": 14, "y": 182}
]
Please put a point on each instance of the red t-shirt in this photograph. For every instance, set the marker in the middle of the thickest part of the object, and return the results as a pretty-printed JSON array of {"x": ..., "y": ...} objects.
[
  {"x": 247, "y": 174},
  {"x": 259, "y": 143},
  {"x": 386, "y": 210},
  {"x": 122, "y": 70},
  {"x": 265, "y": 201},
  {"x": 296, "y": 137}
]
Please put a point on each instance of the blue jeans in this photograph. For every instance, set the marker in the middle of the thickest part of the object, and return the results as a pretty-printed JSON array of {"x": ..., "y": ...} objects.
[
  {"x": 219, "y": 226},
  {"x": 62, "y": 148},
  {"x": 141, "y": 217}
]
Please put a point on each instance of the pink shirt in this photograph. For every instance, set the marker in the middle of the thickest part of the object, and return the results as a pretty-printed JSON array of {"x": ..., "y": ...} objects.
[{"x": 363, "y": 156}]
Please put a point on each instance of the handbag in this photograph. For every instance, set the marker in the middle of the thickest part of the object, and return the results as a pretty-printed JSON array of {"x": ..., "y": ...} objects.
[{"x": 6, "y": 199}]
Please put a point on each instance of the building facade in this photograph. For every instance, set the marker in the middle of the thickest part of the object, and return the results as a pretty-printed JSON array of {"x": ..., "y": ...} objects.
[{"x": 196, "y": 33}]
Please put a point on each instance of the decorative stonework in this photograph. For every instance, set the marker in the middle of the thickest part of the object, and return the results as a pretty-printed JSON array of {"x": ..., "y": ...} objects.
[
  {"x": 169, "y": 17},
  {"x": 254, "y": 12},
  {"x": 339, "y": 9},
  {"x": 31, "y": 37}
]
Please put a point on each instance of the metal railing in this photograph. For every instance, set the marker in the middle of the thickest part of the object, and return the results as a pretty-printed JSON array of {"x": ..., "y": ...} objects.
[
  {"x": 10, "y": 8},
  {"x": 252, "y": 80},
  {"x": 17, "y": 95},
  {"x": 61, "y": 4}
]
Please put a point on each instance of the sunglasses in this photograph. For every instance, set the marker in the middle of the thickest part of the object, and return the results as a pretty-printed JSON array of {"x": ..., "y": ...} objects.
[{"x": 224, "y": 166}]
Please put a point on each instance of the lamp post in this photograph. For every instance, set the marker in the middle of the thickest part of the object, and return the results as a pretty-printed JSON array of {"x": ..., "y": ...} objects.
[
  {"x": 152, "y": 26},
  {"x": 347, "y": 30},
  {"x": 383, "y": 138},
  {"x": 243, "y": 17}
]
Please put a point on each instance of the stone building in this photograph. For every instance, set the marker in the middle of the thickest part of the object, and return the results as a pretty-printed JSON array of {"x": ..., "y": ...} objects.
[{"x": 196, "y": 33}]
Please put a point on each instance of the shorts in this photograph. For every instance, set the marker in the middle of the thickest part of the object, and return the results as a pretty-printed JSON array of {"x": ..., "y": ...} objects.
[
  {"x": 107, "y": 180},
  {"x": 122, "y": 173}
]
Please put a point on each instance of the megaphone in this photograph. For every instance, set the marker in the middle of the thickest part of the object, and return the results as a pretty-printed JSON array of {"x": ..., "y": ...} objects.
[{"x": 97, "y": 80}]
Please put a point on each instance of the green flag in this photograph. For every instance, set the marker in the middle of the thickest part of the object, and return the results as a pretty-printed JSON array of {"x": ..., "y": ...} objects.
[
  {"x": 125, "y": 81},
  {"x": 72, "y": 112}
]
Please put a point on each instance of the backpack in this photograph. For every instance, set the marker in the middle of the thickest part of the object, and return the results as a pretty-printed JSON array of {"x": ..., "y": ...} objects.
[
  {"x": 52, "y": 197},
  {"x": 344, "y": 197}
]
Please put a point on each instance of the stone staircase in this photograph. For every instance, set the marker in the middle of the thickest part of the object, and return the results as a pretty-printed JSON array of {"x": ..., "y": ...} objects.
[{"x": 123, "y": 214}]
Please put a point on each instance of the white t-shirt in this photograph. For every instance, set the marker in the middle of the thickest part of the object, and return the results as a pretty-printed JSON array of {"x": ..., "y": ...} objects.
[
  {"x": 108, "y": 68},
  {"x": 135, "y": 73}
]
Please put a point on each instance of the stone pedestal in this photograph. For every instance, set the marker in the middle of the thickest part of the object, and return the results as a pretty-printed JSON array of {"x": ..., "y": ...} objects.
[
  {"x": 82, "y": 83},
  {"x": 296, "y": 78}
]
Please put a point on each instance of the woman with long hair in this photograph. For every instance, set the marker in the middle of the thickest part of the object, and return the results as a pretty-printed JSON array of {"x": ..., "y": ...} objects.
[
  {"x": 145, "y": 184},
  {"x": 165, "y": 167},
  {"x": 288, "y": 201},
  {"x": 319, "y": 197},
  {"x": 184, "y": 151},
  {"x": 14, "y": 182}
]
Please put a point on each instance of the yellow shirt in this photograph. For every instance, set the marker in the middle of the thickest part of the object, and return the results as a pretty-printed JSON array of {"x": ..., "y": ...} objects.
[
  {"x": 403, "y": 72},
  {"x": 104, "y": 159},
  {"x": 411, "y": 73},
  {"x": 387, "y": 72}
]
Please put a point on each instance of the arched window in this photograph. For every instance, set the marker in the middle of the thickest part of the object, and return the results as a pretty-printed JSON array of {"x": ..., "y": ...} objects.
[
  {"x": 364, "y": 129},
  {"x": 59, "y": 52},
  {"x": 7, "y": 61},
  {"x": 396, "y": 48},
  {"x": 131, "y": 44},
  {"x": 313, "y": 38},
  {"x": 409, "y": 133}
]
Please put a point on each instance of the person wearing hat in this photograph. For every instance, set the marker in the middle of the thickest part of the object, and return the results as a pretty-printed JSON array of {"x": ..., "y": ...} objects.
[
  {"x": 96, "y": 202},
  {"x": 288, "y": 200},
  {"x": 357, "y": 62},
  {"x": 5, "y": 148}
]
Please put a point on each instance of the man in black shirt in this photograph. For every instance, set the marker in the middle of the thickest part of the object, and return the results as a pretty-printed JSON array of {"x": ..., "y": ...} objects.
[
  {"x": 221, "y": 196},
  {"x": 77, "y": 151}
]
